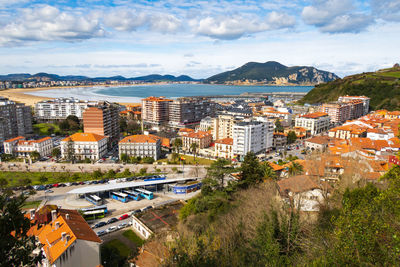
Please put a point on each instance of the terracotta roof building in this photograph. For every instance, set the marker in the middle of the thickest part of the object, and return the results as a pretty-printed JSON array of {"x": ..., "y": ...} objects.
[
  {"x": 201, "y": 138},
  {"x": 82, "y": 146},
  {"x": 20, "y": 147},
  {"x": 66, "y": 238},
  {"x": 141, "y": 146},
  {"x": 224, "y": 148}
]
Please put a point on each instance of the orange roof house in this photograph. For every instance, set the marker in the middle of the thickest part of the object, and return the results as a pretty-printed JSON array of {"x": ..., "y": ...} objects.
[{"x": 84, "y": 137}]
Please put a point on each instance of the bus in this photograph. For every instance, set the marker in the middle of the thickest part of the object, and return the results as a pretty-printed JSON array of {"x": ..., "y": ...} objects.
[
  {"x": 119, "y": 196},
  {"x": 94, "y": 199},
  {"x": 155, "y": 178},
  {"x": 132, "y": 194},
  {"x": 95, "y": 212},
  {"x": 145, "y": 193}
]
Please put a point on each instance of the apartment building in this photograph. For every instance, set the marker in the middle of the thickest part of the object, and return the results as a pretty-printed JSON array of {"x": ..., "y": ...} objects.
[
  {"x": 206, "y": 124},
  {"x": 223, "y": 126},
  {"x": 19, "y": 146},
  {"x": 141, "y": 146},
  {"x": 103, "y": 120},
  {"x": 269, "y": 130},
  {"x": 84, "y": 146},
  {"x": 316, "y": 122},
  {"x": 348, "y": 131},
  {"x": 186, "y": 111},
  {"x": 60, "y": 108},
  {"x": 202, "y": 139},
  {"x": 279, "y": 140},
  {"x": 249, "y": 136},
  {"x": 155, "y": 110},
  {"x": 15, "y": 119},
  {"x": 66, "y": 238},
  {"x": 224, "y": 148},
  {"x": 282, "y": 114},
  {"x": 365, "y": 102},
  {"x": 338, "y": 112}
]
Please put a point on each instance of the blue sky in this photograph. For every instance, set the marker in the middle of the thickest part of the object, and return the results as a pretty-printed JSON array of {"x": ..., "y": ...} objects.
[{"x": 198, "y": 38}]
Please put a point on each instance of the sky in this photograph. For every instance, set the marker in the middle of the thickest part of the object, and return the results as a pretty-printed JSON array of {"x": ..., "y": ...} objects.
[{"x": 196, "y": 38}]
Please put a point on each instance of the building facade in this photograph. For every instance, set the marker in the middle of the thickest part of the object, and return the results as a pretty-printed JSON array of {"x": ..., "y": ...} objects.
[
  {"x": 223, "y": 126},
  {"x": 249, "y": 137},
  {"x": 224, "y": 148},
  {"x": 140, "y": 146},
  {"x": 60, "y": 109},
  {"x": 103, "y": 120},
  {"x": 316, "y": 122},
  {"x": 15, "y": 119},
  {"x": 186, "y": 111},
  {"x": 365, "y": 102},
  {"x": 155, "y": 110},
  {"x": 337, "y": 112},
  {"x": 84, "y": 146},
  {"x": 21, "y": 147},
  {"x": 202, "y": 139}
]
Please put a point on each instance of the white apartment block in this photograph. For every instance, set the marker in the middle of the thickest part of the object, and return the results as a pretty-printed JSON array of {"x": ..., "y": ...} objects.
[
  {"x": 364, "y": 99},
  {"x": 269, "y": 133},
  {"x": 141, "y": 146},
  {"x": 19, "y": 146},
  {"x": 249, "y": 137},
  {"x": 84, "y": 146},
  {"x": 61, "y": 108},
  {"x": 317, "y": 122},
  {"x": 223, "y": 126}
]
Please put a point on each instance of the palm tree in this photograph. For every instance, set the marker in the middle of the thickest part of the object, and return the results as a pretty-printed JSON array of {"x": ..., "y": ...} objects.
[
  {"x": 193, "y": 148},
  {"x": 295, "y": 169},
  {"x": 269, "y": 172}
]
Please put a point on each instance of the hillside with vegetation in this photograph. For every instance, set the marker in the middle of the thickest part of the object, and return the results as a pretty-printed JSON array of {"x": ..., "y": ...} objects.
[
  {"x": 245, "y": 224},
  {"x": 383, "y": 87},
  {"x": 272, "y": 72}
]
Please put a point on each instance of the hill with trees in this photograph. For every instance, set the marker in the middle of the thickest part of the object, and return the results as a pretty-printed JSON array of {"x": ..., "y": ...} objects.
[
  {"x": 383, "y": 87},
  {"x": 272, "y": 72}
]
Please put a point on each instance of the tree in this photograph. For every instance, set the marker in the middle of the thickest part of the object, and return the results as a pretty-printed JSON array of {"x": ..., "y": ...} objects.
[
  {"x": 16, "y": 246},
  {"x": 97, "y": 174},
  {"x": 71, "y": 151},
  {"x": 56, "y": 153},
  {"x": 3, "y": 183},
  {"x": 295, "y": 168},
  {"x": 35, "y": 155},
  {"x": 133, "y": 127},
  {"x": 148, "y": 160},
  {"x": 193, "y": 148},
  {"x": 126, "y": 172},
  {"x": 143, "y": 171},
  {"x": 217, "y": 171},
  {"x": 269, "y": 172},
  {"x": 291, "y": 137},
  {"x": 43, "y": 179},
  {"x": 124, "y": 158},
  {"x": 177, "y": 145},
  {"x": 111, "y": 174},
  {"x": 278, "y": 126},
  {"x": 174, "y": 156},
  {"x": 252, "y": 172},
  {"x": 122, "y": 125}
]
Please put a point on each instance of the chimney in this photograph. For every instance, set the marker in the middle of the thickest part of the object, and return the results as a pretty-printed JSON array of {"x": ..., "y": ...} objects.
[
  {"x": 67, "y": 216},
  {"x": 67, "y": 238},
  {"x": 53, "y": 215},
  {"x": 32, "y": 214},
  {"x": 56, "y": 225},
  {"x": 63, "y": 235}
]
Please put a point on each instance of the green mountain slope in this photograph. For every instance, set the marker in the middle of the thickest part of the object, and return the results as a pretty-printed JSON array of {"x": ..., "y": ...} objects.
[
  {"x": 383, "y": 87},
  {"x": 273, "y": 73}
]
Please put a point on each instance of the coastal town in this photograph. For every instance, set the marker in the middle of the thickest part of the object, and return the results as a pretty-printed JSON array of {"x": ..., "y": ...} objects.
[{"x": 121, "y": 160}]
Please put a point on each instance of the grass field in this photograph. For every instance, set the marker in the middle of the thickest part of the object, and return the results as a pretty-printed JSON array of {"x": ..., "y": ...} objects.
[
  {"x": 133, "y": 237},
  {"x": 190, "y": 160},
  {"x": 31, "y": 204},
  {"x": 46, "y": 128},
  {"x": 121, "y": 247},
  {"x": 395, "y": 74}
]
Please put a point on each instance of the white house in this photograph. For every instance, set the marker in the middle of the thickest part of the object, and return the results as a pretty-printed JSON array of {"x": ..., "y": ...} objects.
[
  {"x": 316, "y": 122},
  {"x": 84, "y": 146},
  {"x": 19, "y": 146}
]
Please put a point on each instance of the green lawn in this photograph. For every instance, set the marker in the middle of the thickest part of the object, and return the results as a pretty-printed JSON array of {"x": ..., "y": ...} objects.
[
  {"x": 121, "y": 247},
  {"x": 31, "y": 204},
  {"x": 190, "y": 160},
  {"x": 46, "y": 128},
  {"x": 395, "y": 74},
  {"x": 132, "y": 236}
]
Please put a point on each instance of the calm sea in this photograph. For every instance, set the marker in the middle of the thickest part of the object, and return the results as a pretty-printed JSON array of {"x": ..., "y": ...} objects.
[{"x": 135, "y": 93}]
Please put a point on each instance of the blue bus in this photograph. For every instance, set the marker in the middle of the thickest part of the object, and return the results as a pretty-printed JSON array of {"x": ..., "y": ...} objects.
[
  {"x": 94, "y": 199},
  {"x": 145, "y": 193},
  {"x": 119, "y": 196},
  {"x": 95, "y": 212},
  {"x": 132, "y": 194},
  {"x": 155, "y": 178}
]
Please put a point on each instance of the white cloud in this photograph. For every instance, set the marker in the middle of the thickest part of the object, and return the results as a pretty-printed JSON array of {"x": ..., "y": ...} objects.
[
  {"x": 47, "y": 23},
  {"x": 336, "y": 16},
  {"x": 234, "y": 27},
  {"x": 386, "y": 9}
]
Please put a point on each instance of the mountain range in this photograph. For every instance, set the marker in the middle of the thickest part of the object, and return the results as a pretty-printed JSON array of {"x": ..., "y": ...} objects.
[
  {"x": 382, "y": 86},
  {"x": 273, "y": 72}
]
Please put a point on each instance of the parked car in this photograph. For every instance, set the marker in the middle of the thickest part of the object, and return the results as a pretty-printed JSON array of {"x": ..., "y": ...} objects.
[
  {"x": 41, "y": 187},
  {"x": 112, "y": 229},
  {"x": 74, "y": 183},
  {"x": 102, "y": 232},
  {"x": 123, "y": 217},
  {"x": 49, "y": 191},
  {"x": 122, "y": 225},
  {"x": 112, "y": 220},
  {"x": 62, "y": 185},
  {"x": 99, "y": 224}
]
